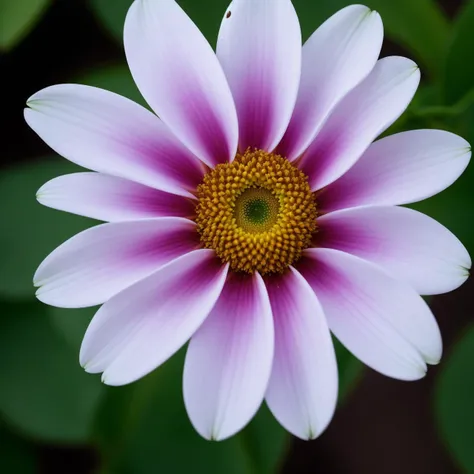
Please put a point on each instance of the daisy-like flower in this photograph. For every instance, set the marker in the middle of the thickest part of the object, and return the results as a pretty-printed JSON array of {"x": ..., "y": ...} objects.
[{"x": 255, "y": 215}]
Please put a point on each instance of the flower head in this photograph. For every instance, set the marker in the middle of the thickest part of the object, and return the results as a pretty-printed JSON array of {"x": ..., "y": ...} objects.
[{"x": 255, "y": 215}]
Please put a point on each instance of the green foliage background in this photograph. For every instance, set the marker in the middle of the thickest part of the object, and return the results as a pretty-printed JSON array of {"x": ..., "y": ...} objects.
[{"x": 45, "y": 397}]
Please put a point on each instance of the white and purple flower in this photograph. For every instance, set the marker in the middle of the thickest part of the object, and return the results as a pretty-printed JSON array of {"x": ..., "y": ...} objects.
[{"x": 255, "y": 215}]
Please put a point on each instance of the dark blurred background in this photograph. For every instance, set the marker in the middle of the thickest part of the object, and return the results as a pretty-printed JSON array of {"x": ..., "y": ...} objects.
[{"x": 56, "y": 419}]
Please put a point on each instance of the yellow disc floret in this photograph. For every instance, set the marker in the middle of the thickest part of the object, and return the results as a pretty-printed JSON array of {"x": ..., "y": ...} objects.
[{"x": 258, "y": 213}]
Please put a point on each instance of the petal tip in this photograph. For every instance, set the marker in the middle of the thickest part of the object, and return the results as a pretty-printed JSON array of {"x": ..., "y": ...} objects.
[
  {"x": 312, "y": 434},
  {"x": 32, "y": 101},
  {"x": 84, "y": 362}
]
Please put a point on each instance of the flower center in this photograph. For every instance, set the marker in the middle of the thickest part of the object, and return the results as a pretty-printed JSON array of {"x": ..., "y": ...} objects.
[
  {"x": 257, "y": 213},
  {"x": 256, "y": 210}
]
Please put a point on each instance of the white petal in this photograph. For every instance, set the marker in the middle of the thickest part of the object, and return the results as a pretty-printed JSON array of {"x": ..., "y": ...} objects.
[
  {"x": 98, "y": 263},
  {"x": 382, "y": 321},
  {"x": 410, "y": 246},
  {"x": 143, "y": 326},
  {"x": 399, "y": 169},
  {"x": 105, "y": 132},
  {"x": 180, "y": 77},
  {"x": 359, "y": 118},
  {"x": 259, "y": 47},
  {"x": 229, "y": 359},
  {"x": 339, "y": 54},
  {"x": 108, "y": 198},
  {"x": 302, "y": 393}
]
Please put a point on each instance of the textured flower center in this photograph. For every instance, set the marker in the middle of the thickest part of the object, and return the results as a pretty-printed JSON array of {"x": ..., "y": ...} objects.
[{"x": 257, "y": 213}]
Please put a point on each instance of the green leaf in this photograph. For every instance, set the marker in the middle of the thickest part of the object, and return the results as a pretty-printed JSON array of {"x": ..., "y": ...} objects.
[
  {"x": 71, "y": 324},
  {"x": 16, "y": 454},
  {"x": 115, "y": 78},
  {"x": 454, "y": 207},
  {"x": 30, "y": 231},
  {"x": 206, "y": 14},
  {"x": 155, "y": 434},
  {"x": 350, "y": 369},
  {"x": 419, "y": 25},
  {"x": 265, "y": 441},
  {"x": 45, "y": 393},
  {"x": 144, "y": 428},
  {"x": 459, "y": 73},
  {"x": 111, "y": 14},
  {"x": 454, "y": 401},
  {"x": 17, "y": 18}
]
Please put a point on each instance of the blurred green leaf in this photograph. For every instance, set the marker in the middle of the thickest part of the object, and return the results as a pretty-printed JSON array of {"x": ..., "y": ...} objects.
[
  {"x": 16, "y": 455},
  {"x": 350, "y": 369},
  {"x": 265, "y": 441},
  {"x": 45, "y": 393},
  {"x": 30, "y": 231},
  {"x": 144, "y": 428},
  {"x": 454, "y": 207},
  {"x": 419, "y": 25},
  {"x": 155, "y": 434},
  {"x": 17, "y": 18},
  {"x": 111, "y": 13},
  {"x": 114, "y": 78},
  {"x": 459, "y": 74},
  {"x": 454, "y": 401},
  {"x": 206, "y": 14},
  {"x": 71, "y": 324}
]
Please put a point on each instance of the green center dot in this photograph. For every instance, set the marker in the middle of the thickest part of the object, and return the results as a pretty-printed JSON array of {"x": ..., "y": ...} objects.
[{"x": 257, "y": 211}]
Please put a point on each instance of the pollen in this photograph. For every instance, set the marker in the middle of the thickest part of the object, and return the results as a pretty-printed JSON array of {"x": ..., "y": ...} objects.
[{"x": 257, "y": 213}]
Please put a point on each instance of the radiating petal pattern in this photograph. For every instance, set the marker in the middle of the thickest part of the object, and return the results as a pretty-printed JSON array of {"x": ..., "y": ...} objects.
[
  {"x": 339, "y": 54},
  {"x": 98, "y": 263},
  {"x": 410, "y": 246},
  {"x": 108, "y": 133},
  {"x": 382, "y": 321},
  {"x": 229, "y": 359},
  {"x": 141, "y": 327},
  {"x": 363, "y": 114},
  {"x": 399, "y": 169},
  {"x": 302, "y": 393},
  {"x": 180, "y": 77},
  {"x": 112, "y": 199},
  {"x": 259, "y": 47}
]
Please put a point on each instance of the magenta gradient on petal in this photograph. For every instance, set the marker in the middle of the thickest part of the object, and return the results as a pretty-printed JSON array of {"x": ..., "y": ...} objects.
[
  {"x": 112, "y": 199},
  {"x": 302, "y": 392},
  {"x": 229, "y": 359},
  {"x": 336, "y": 58},
  {"x": 144, "y": 325},
  {"x": 400, "y": 169},
  {"x": 259, "y": 47},
  {"x": 407, "y": 244},
  {"x": 363, "y": 114},
  {"x": 108, "y": 133},
  {"x": 98, "y": 263},
  {"x": 179, "y": 75},
  {"x": 383, "y": 321}
]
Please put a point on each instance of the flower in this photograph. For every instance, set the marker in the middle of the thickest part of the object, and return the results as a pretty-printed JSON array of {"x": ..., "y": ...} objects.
[{"x": 255, "y": 215}]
